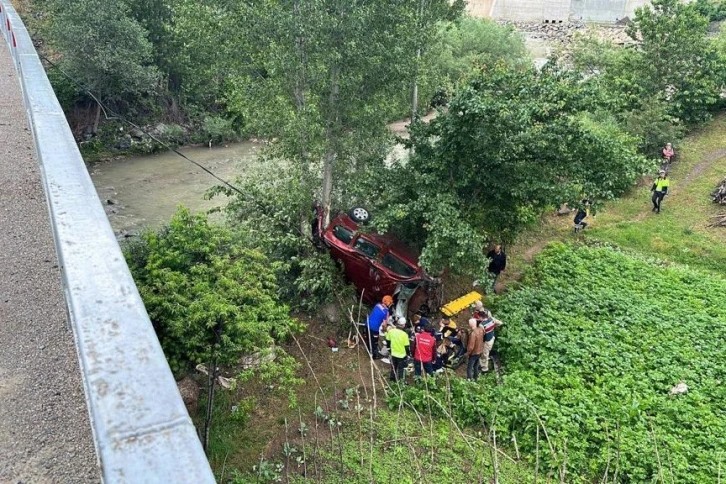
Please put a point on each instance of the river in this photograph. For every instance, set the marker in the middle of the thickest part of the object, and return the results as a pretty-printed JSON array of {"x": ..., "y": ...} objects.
[{"x": 145, "y": 191}]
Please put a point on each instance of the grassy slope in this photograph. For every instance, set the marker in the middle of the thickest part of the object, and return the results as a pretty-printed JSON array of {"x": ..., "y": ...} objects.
[
  {"x": 678, "y": 234},
  {"x": 407, "y": 447}
]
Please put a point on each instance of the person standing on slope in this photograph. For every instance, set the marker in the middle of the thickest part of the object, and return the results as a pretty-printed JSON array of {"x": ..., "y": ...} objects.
[
  {"x": 660, "y": 190},
  {"x": 400, "y": 346},
  {"x": 377, "y": 318},
  {"x": 497, "y": 263},
  {"x": 474, "y": 349},
  {"x": 424, "y": 351}
]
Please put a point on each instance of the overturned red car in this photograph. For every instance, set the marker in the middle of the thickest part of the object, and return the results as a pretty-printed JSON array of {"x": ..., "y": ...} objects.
[{"x": 376, "y": 264}]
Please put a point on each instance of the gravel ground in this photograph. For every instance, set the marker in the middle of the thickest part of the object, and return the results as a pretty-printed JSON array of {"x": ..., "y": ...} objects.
[{"x": 45, "y": 434}]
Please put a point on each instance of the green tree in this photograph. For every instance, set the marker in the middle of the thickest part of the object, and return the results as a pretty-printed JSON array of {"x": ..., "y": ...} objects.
[
  {"x": 211, "y": 301},
  {"x": 513, "y": 142},
  {"x": 678, "y": 62},
  {"x": 323, "y": 82},
  {"x": 195, "y": 47},
  {"x": 463, "y": 45},
  {"x": 103, "y": 47}
]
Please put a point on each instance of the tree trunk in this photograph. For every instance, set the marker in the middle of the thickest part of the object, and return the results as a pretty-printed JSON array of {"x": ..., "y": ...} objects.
[
  {"x": 414, "y": 102},
  {"x": 211, "y": 380},
  {"x": 97, "y": 121},
  {"x": 331, "y": 135}
]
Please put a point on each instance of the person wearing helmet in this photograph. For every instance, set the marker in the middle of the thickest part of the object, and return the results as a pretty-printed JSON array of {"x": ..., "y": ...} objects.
[
  {"x": 377, "y": 318},
  {"x": 400, "y": 348},
  {"x": 660, "y": 190}
]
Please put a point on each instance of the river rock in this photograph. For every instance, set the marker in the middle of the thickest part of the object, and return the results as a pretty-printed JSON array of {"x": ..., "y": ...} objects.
[
  {"x": 189, "y": 390},
  {"x": 331, "y": 313},
  {"x": 136, "y": 133}
]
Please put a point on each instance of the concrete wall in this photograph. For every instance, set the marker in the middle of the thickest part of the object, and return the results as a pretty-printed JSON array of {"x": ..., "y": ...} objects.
[
  {"x": 479, "y": 8},
  {"x": 532, "y": 10},
  {"x": 606, "y": 11}
]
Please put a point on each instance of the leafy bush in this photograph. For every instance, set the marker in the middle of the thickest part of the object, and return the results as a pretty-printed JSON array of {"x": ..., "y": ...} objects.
[
  {"x": 592, "y": 348},
  {"x": 208, "y": 297},
  {"x": 218, "y": 129},
  {"x": 274, "y": 213}
]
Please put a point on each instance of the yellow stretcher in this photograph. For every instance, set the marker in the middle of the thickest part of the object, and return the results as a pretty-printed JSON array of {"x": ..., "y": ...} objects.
[{"x": 457, "y": 305}]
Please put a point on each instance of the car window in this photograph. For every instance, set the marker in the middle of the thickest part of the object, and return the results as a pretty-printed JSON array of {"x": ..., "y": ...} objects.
[
  {"x": 367, "y": 247},
  {"x": 397, "y": 265},
  {"x": 343, "y": 234}
]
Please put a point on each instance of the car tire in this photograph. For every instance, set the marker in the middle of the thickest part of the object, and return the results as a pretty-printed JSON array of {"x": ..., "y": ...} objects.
[{"x": 359, "y": 215}]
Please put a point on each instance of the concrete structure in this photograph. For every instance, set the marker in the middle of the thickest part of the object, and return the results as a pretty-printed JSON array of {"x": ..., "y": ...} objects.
[
  {"x": 140, "y": 427},
  {"x": 555, "y": 11},
  {"x": 45, "y": 435}
]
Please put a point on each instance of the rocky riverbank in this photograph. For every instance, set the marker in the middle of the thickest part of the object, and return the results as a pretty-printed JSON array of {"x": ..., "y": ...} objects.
[{"x": 558, "y": 37}]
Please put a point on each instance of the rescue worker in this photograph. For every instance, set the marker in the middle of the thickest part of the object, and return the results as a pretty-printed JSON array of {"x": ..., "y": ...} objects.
[
  {"x": 424, "y": 351},
  {"x": 660, "y": 190},
  {"x": 400, "y": 348},
  {"x": 474, "y": 350},
  {"x": 377, "y": 318}
]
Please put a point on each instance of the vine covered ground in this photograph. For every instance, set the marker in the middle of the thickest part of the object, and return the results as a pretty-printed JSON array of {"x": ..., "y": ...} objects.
[{"x": 598, "y": 339}]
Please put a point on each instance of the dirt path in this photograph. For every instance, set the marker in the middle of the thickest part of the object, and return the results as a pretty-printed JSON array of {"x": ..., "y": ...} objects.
[{"x": 704, "y": 165}]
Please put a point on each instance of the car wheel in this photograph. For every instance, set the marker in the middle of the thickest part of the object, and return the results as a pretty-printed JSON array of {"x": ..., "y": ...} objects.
[{"x": 359, "y": 215}]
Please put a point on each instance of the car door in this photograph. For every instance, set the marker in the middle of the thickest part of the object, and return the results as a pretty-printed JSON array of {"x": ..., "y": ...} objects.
[{"x": 360, "y": 266}]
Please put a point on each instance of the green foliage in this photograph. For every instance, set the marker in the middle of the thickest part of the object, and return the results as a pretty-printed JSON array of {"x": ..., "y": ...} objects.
[
  {"x": 513, "y": 142},
  {"x": 218, "y": 129},
  {"x": 653, "y": 126},
  {"x": 274, "y": 213},
  {"x": 593, "y": 345},
  {"x": 713, "y": 10},
  {"x": 463, "y": 45},
  {"x": 208, "y": 297},
  {"x": 677, "y": 60},
  {"x": 104, "y": 48}
]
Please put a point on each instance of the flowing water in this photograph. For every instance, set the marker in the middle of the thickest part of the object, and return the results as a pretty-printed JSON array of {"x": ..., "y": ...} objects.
[{"x": 145, "y": 191}]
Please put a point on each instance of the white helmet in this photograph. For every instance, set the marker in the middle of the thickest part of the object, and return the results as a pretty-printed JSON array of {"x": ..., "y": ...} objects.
[{"x": 401, "y": 322}]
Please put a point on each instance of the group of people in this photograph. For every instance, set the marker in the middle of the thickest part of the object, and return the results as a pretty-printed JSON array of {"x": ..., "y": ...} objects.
[{"x": 427, "y": 347}]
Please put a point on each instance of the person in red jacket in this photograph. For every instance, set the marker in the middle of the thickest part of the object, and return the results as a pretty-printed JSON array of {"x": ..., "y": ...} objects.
[{"x": 424, "y": 352}]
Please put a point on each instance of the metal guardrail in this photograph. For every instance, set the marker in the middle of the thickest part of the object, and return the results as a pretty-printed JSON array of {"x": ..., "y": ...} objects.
[{"x": 141, "y": 429}]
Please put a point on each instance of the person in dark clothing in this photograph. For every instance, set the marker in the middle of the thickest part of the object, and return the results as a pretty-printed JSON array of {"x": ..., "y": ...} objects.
[
  {"x": 660, "y": 190},
  {"x": 497, "y": 264},
  {"x": 581, "y": 215}
]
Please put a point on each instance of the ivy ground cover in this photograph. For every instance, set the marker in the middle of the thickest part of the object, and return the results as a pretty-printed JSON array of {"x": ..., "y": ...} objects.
[{"x": 595, "y": 342}]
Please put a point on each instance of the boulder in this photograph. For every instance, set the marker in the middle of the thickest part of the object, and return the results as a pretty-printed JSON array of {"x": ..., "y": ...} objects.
[
  {"x": 331, "y": 313},
  {"x": 189, "y": 390}
]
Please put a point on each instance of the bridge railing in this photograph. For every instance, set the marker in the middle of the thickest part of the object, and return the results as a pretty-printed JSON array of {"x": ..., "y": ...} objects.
[{"x": 141, "y": 429}]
